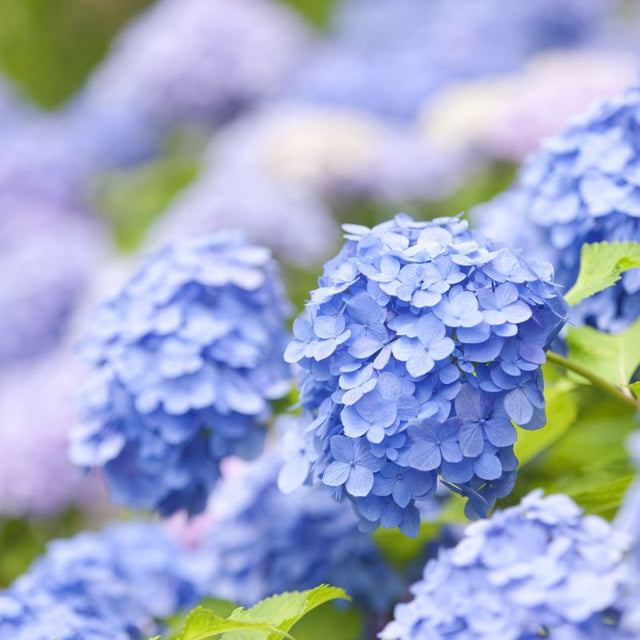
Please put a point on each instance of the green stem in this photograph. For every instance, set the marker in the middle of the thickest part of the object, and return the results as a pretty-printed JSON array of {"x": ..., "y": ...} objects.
[{"x": 594, "y": 379}]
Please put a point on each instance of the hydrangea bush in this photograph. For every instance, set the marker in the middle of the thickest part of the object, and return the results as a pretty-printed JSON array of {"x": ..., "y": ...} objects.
[
  {"x": 540, "y": 569},
  {"x": 420, "y": 349},
  {"x": 582, "y": 187},
  {"x": 186, "y": 359}
]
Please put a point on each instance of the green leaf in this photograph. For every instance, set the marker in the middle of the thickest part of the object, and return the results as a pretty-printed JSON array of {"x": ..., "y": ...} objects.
[
  {"x": 635, "y": 389},
  {"x": 202, "y": 624},
  {"x": 613, "y": 357},
  {"x": 270, "y": 619},
  {"x": 329, "y": 622},
  {"x": 562, "y": 412},
  {"x": 605, "y": 498},
  {"x": 601, "y": 264},
  {"x": 285, "y": 609}
]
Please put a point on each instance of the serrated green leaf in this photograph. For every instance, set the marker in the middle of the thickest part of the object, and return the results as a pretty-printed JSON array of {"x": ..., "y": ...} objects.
[
  {"x": 284, "y": 610},
  {"x": 613, "y": 357},
  {"x": 202, "y": 624},
  {"x": 601, "y": 264}
]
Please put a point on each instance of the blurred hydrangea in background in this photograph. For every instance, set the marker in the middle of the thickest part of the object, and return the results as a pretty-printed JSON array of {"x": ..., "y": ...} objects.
[
  {"x": 186, "y": 357},
  {"x": 541, "y": 568},
  {"x": 583, "y": 187}
]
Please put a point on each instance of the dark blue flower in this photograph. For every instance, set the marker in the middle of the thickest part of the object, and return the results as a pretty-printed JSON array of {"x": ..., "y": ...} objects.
[
  {"x": 420, "y": 350},
  {"x": 187, "y": 357}
]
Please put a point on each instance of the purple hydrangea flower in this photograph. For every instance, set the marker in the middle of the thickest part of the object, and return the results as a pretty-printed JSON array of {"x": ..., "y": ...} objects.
[
  {"x": 292, "y": 222},
  {"x": 36, "y": 476},
  {"x": 420, "y": 349},
  {"x": 540, "y": 569},
  {"x": 187, "y": 61},
  {"x": 582, "y": 187},
  {"x": 114, "y": 584},
  {"x": 264, "y": 542},
  {"x": 46, "y": 254},
  {"x": 419, "y": 47},
  {"x": 186, "y": 359}
]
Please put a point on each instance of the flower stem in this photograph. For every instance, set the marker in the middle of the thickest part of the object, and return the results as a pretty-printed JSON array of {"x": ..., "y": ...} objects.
[{"x": 594, "y": 379}]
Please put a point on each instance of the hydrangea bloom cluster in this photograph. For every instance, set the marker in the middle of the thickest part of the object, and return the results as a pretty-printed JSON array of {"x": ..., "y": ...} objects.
[
  {"x": 420, "y": 349},
  {"x": 293, "y": 222},
  {"x": 419, "y": 47},
  {"x": 36, "y": 311},
  {"x": 265, "y": 542},
  {"x": 337, "y": 153},
  {"x": 185, "y": 61},
  {"x": 36, "y": 476},
  {"x": 112, "y": 584},
  {"x": 540, "y": 569},
  {"x": 186, "y": 358},
  {"x": 583, "y": 186},
  {"x": 500, "y": 118}
]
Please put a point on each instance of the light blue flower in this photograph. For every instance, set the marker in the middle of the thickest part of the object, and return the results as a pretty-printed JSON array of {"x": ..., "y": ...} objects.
[
  {"x": 264, "y": 542},
  {"x": 99, "y": 586},
  {"x": 541, "y": 568},
  {"x": 401, "y": 348},
  {"x": 581, "y": 187},
  {"x": 186, "y": 359}
]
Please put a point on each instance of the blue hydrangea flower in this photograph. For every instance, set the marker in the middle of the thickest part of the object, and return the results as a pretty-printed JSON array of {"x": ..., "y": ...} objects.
[
  {"x": 582, "y": 187},
  {"x": 539, "y": 569},
  {"x": 264, "y": 542},
  {"x": 419, "y": 47},
  {"x": 420, "y": 349},
  {"x": 186, "y": 62},
  {"x": 187, "y": 357},
  {"x": 111, "y": 585}
]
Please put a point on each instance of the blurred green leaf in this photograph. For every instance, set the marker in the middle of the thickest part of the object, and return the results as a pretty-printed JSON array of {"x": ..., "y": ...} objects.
[
  {"x": 562, "y": 413},
  {"x": 613, "y": 357},
  {"x": 316, "y": 12},
  {"x": 48, "y": 47},
  {"x": 131, "y": 199},
  {"x": 601, "y": 264},
  {"x": 603, "y": 499}
]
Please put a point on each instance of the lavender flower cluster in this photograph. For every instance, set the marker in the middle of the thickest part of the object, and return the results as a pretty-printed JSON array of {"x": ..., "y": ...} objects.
[
  {"x": 265, "y": 542},
  {"x": 419, "y": 47},
  {"x": 114, "y": 584},
  {"x": 540, "y": 569},
  {"x": 583, "y": 187},
  {"x": 186, "y": 358},
  {"x": 187, "y": 61},
  {"x": 420, "y": 349}
]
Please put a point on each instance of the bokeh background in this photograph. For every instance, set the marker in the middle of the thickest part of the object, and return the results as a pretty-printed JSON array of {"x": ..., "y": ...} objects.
[{"x": 126, "y": 123}]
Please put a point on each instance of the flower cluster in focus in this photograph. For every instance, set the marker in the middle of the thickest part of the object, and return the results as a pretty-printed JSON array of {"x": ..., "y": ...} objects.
[
  {"x": 187, "y": 357},
  {"x": 420, "y": 349}
]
